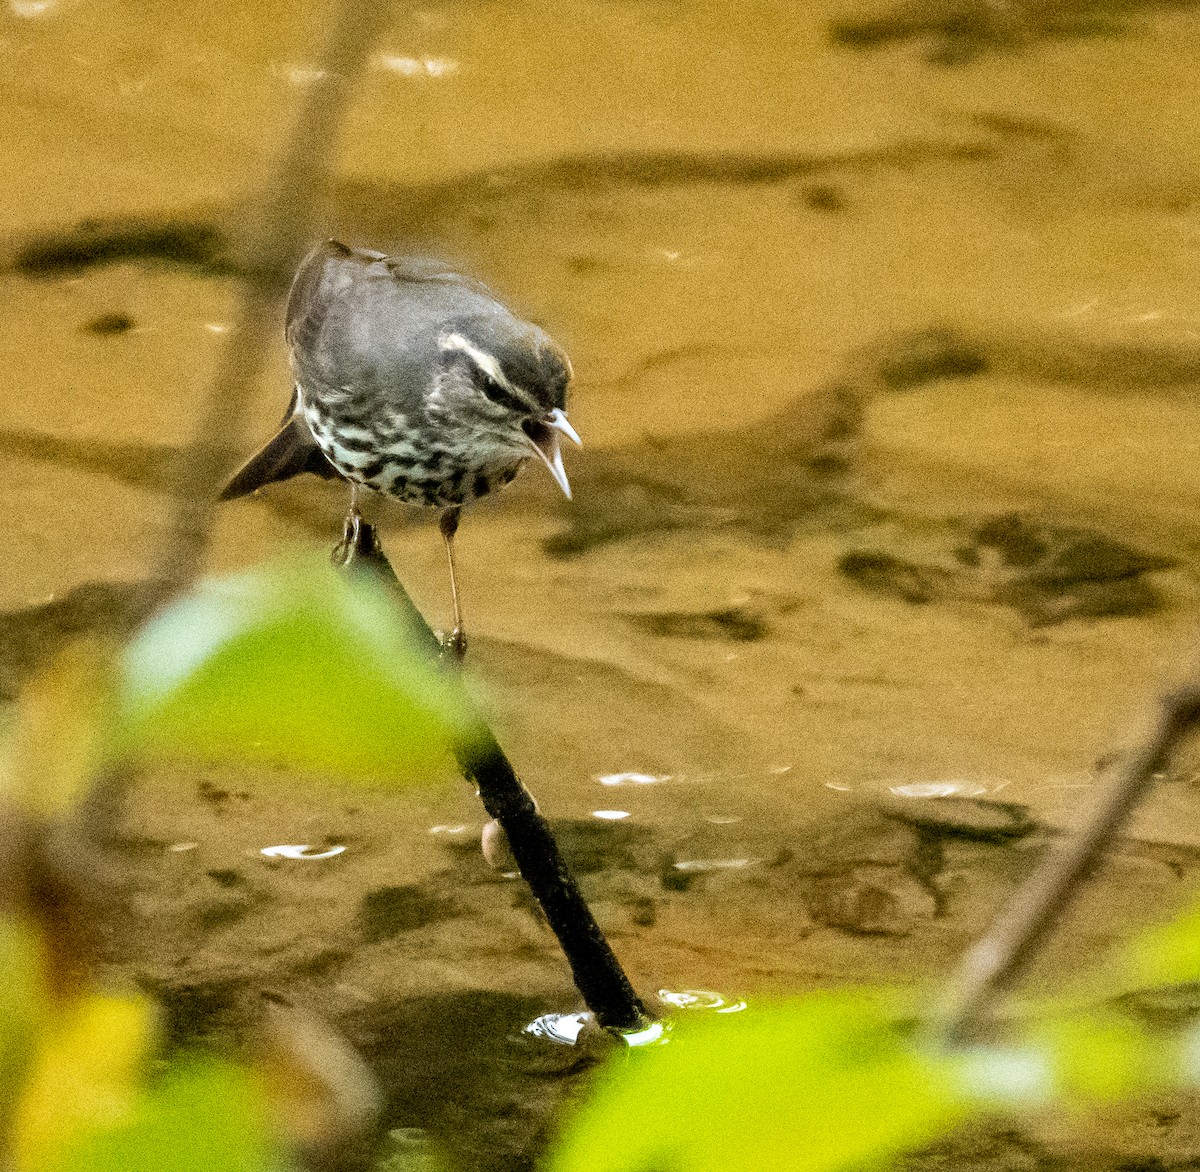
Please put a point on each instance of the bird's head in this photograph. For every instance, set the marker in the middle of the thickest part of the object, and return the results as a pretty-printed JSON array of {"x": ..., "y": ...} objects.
[{"x": 509, "y": 379}]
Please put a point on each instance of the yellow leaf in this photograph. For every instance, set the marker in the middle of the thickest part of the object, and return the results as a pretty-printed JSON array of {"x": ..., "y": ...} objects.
[
  {"x": 59, "y": 732},
  {"x": 84, "y": 1077}
]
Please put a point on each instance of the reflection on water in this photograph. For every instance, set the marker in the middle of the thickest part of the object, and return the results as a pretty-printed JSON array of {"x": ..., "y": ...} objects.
[
  {"x": 566, "y": 1028},
  {"x": 563, "y": 1028},
  {"x": 418, "y": 67},
  {"x": 938, "y": 789},
  {"x": 31, "y": 8},
  {"x": 300, "y": 851},
  {"x": 632, "y": 779},
  {"x": 700, "y": 999},
  {"x": 411, "y": 1149},
  {"x": 654, "y": 1033},
  {"x": 699, "y": 866}
]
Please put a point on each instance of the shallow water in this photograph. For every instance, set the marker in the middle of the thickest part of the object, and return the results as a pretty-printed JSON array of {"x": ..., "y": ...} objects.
[{"x": 821, "y": 301}]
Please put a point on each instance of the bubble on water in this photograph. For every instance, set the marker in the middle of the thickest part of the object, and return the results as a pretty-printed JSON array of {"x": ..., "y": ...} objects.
[
  {"x": 300, "y": 851},
  {"x": 497, "y": 852}
]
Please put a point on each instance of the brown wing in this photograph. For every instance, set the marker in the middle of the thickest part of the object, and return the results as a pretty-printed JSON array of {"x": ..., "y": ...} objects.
[{"x": 291, "y": 451}]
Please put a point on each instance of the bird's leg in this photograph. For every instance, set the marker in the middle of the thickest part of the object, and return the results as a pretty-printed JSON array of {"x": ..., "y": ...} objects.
[
  {"x": 350, "y": 530},
  {"x": 448, "y": 524}
]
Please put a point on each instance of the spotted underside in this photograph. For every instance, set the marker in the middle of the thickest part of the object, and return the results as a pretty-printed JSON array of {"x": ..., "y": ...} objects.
[{"x": 383, "y": 457}]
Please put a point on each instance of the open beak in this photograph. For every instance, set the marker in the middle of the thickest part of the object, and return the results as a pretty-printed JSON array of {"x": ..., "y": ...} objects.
[
  {"x": 543, "y": 439},
  {"x": 557, "y": 420}
]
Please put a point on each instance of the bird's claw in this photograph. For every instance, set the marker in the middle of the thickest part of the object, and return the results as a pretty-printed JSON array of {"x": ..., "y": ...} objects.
[{"x": 351, "y": 535}]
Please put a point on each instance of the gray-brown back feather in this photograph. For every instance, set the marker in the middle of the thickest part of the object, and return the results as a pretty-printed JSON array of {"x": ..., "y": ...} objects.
[{"x": 363, "y": 328}]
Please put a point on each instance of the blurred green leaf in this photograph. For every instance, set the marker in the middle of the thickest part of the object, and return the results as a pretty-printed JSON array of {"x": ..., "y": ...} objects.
[
  {"x": 1101, "y": 1056},
  {"x": 1163, "y": 954},
  {"x": 815, "y": 1084},
  {"x": 291, "y": 664},
  {"x": 23, "y": 1003},
  {"x": 205, "y": 1116}
]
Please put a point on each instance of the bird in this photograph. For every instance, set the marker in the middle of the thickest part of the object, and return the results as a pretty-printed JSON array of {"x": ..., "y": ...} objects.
[{"x": 415, "y": 381}]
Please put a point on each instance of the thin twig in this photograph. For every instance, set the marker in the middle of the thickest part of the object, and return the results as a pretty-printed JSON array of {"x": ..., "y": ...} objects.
[
  {"x": 282, "y": 229},
  {"x": 997, "y": 960},
  {"x": 597, "y": 973}
]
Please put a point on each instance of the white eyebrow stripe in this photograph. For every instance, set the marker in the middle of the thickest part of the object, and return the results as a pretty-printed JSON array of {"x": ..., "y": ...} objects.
[{"x": 485, "y": 361}]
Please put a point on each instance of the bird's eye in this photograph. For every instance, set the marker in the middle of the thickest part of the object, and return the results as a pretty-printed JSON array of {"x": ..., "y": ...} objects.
[{"x": 497, "y": 392}]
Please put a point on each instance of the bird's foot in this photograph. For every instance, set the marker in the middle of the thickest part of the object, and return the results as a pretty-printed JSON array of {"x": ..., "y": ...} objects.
[{"x": 352, "y": 533}]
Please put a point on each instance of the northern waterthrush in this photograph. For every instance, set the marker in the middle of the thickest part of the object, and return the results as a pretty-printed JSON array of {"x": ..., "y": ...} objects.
[{"x": 412, "y": 380}]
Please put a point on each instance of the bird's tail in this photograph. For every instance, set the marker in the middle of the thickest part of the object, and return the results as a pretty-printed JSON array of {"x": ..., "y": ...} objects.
[{"x": 290, "y": 452}]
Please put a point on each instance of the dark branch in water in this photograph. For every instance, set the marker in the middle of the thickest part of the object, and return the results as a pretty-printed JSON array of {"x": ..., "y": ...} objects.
[
  {"x": 281, "y": 229},
  {"x": 996, "y": 961},
  {"x": 596, "y": 971}
]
